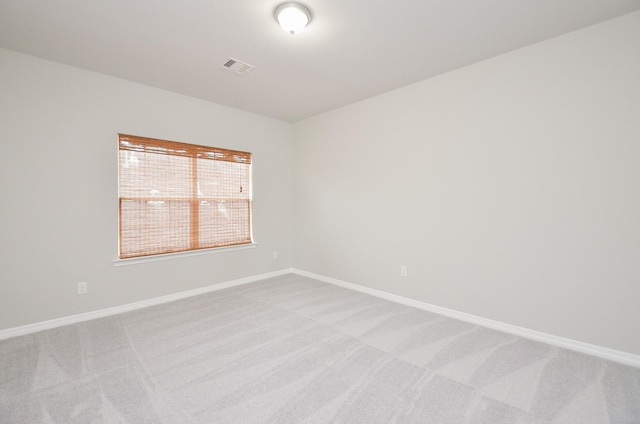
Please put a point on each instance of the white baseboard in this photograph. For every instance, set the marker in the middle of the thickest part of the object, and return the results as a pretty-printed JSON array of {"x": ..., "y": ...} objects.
[
  {"x": 73, "y": 319},
  {"x": 601, "y": 352}
]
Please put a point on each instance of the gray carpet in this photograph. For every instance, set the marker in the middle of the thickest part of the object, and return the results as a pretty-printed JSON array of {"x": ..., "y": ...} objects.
[{"x": 295, "y": 350}]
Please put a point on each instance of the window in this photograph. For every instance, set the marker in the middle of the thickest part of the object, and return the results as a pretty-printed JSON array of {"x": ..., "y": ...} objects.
[{"x": 177, "y": 197}]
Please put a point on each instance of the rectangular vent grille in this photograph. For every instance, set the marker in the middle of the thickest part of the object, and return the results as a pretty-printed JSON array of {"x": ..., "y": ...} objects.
[{"x": 237, "y": 66}]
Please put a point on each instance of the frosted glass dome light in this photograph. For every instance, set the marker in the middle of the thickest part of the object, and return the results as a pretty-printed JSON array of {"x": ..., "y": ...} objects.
[{"x": 292, "y": 17}]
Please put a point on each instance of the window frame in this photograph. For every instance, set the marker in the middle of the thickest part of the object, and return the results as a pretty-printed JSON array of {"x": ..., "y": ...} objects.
[{"x": 195, "y": 155}]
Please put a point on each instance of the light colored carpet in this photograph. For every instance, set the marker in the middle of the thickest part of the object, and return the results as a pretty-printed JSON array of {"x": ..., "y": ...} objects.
[{"x": 295, "y": 350}]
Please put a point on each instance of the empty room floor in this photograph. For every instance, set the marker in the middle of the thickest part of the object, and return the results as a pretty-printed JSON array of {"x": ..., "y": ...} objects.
[{"x": 295, "y": 350}]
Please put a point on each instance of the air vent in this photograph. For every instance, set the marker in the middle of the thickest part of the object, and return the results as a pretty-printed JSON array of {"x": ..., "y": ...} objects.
[{"x": 237, "y": 66}]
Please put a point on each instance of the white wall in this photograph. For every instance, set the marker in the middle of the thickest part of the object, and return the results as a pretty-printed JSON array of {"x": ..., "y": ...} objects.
[
  {"x": 58, "y": 173},
  {"x": 509, "y": 188}
]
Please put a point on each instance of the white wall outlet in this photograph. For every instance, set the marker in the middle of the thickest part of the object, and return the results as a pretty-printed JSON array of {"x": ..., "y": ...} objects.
[
  {"x": 403, "y": 271},
  {"x": 82, "y": 287},
  {"x": 275, "y": 254}
]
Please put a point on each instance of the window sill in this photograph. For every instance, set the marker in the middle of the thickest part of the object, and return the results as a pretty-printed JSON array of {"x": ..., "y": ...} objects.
[{"x": 167, "y": 256}]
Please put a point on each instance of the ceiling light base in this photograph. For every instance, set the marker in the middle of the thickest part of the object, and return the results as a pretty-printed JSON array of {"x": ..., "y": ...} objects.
[{"x": 292, "y": 17}]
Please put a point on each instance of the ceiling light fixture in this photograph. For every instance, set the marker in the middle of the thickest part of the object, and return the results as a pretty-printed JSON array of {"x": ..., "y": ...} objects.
[{"x": 292, "y": 17}]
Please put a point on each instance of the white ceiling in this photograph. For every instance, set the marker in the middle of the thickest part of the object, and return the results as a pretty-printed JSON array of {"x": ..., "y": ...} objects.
[{"x": 352, "y": 50}]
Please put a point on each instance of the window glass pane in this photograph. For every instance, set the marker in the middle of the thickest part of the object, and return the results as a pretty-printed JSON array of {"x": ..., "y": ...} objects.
[
  {"x": 224, "y": 222},
  {"x": 145, "y": 175},
  {"x": 222, "y": 180},
  {"x": 153, "y": 226}
]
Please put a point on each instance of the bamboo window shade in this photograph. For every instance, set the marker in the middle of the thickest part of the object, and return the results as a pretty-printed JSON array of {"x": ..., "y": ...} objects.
[{"x": 177, "y": 197}]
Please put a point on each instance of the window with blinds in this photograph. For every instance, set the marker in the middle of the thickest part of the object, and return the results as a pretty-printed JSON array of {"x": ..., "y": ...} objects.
[{"x": 177, "y": 197}]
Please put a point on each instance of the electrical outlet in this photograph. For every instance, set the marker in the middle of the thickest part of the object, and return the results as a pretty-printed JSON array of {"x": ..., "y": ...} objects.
[
  {"x": 82, "y": 288},
  {"x": 403, "y": 271},
  {"x": 275, "y": 254}
]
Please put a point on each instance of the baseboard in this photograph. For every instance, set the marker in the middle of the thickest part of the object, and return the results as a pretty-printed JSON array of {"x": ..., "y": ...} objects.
[
  {"x": 73, "y": 319},
  {"x": 601, "y": 352}
]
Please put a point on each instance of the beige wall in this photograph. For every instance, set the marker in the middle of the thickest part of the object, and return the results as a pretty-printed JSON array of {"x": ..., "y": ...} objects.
[
  {"x": 58, "y": 171},
  {"x": 509, "y": 188}
]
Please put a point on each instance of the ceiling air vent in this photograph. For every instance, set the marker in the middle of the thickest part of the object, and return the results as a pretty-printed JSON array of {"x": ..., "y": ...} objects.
[{"x": 241, "y": 68}]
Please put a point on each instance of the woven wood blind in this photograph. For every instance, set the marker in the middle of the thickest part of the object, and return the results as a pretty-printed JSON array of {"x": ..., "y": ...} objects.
[{"x": 176, "y": 197}]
